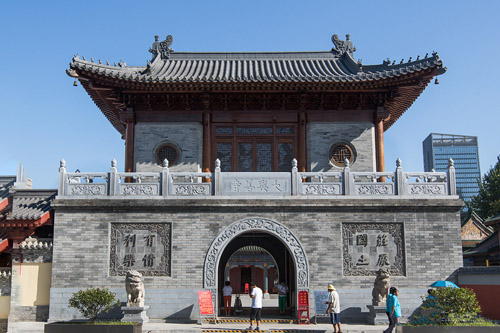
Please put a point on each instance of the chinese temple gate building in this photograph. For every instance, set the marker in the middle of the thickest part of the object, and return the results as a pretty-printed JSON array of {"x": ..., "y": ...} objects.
[{"x": 283, "y": 151}]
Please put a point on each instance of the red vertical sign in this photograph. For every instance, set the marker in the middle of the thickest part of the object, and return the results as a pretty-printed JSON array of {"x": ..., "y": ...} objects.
[
  {"x": 205, "y": 302},
  {"x": 303, "y": 307}
]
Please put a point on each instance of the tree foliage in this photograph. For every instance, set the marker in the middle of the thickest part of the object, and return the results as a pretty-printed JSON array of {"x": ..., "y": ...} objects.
[
  {"x": 487, "y": 203},
  {"x": 94, "y": 301},
  {"x": 448, "y": 306}
]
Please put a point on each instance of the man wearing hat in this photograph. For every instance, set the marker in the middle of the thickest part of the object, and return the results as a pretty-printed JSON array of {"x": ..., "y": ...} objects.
[
  {"x": 334, "y": 308},
  {"x": 393, "y": 309}
]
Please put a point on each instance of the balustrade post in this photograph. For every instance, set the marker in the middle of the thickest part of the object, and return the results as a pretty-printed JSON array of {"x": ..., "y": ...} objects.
[
  {"x": 346, "y": 178},
  {"x": 62, "y": 178},
  {"x": 452, "y": 181},
  {"x": 295, "y": 180},
  {"x": 113, "y": 182},
  {"x": 165, "y": 179},
  {"x": 400, "y": 181},
  {"x": 217, "y": 178}
]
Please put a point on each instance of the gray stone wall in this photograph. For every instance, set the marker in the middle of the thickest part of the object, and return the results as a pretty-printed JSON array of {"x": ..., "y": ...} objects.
[
  {"x": 321, "y": 137},
  {"x": 81, "y": 245},
  {"x": 186, "y": 137}
]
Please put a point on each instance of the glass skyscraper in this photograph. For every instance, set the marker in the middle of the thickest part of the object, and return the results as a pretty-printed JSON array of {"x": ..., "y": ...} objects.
[{"x": 439, "y": 148}]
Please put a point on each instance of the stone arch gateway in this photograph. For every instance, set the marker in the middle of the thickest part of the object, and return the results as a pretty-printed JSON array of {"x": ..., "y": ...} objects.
[{"x": 253, "y": 224}]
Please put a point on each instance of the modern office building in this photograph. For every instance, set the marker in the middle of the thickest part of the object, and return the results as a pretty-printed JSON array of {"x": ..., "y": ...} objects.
[{"x": 439, "y": 148}]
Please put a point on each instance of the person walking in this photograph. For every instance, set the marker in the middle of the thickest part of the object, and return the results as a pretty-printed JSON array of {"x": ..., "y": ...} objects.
[
  {"x": 282, "y": 292},
  {"x": 334, "y": 308},
  {"x": 256, "y": 313},
  {"x": 227, "y": 292},
  {"x": 393, "y": 309}
]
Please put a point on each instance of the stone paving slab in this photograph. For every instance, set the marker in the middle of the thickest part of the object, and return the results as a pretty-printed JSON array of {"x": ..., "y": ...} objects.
[{"x": 37, "y": 327}]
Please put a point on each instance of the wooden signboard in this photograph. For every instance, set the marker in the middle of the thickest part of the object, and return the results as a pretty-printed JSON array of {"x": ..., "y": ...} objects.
[
  {"x": 206, "y": 305},
  {"x": 303, "y": 307}
]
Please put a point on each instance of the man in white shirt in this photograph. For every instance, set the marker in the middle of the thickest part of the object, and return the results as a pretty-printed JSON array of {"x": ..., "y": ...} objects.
[
  {"x": 256, "y": 313},
  {"x": 334, "y": 308}
]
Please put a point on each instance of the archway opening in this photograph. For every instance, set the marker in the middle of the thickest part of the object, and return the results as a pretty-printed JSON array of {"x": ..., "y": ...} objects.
[{"x": 262, "y": 258}]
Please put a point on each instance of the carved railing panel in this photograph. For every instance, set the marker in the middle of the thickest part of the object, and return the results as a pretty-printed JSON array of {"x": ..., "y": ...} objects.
[
  {"x": 187, "y": 189},
  {"x": 319, "y": 183},
  {"x": 426, "y": 183},
  {"x": 138, "y": 184},
  {"x": 365, "y": 183},
  {"x": 87, "y": 184}
]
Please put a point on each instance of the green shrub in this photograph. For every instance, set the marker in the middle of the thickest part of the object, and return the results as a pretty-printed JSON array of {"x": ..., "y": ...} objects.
[
  {"x": 94, "y": 301},
  {"x": 450, "y": 306}
]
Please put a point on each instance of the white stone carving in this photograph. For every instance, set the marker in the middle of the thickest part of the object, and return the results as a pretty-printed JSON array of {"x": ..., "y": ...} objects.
[
  {"x": 139, "y": 189},
  {"x": 87, "y": 189},
  {"x": 321, "y": 189},
  {"x": 135, "y": 288},
  {"x": 33, "y": 244}
]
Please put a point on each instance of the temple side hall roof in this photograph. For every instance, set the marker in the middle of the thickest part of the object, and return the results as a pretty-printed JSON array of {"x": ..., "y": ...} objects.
[
  {"x": 6, "y": 182},
  {"x": 31, "y": 204}
]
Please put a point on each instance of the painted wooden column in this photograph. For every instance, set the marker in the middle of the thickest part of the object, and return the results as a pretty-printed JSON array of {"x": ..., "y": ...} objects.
[
  {"x": 128, "y": 118},
  {"x": 302, "y": 155},
  {"x": 207, "y": 144},
  {"x": 379, "y": 141}
]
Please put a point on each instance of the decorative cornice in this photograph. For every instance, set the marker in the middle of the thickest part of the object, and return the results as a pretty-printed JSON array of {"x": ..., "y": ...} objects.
[
  {"x": 35, "y": 244},
  {"x": 5, "y": 274}
]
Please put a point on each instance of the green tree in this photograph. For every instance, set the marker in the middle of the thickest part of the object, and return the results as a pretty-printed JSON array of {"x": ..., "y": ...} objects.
[
  {"x": 487, "y": 203},
  {"x": 94, "y": 301}
]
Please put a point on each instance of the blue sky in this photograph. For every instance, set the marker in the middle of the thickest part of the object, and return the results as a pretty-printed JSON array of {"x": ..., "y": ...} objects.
[{"x": 44, "y": 118}]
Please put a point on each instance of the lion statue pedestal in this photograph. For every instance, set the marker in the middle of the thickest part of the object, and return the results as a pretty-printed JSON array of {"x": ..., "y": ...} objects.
[
  {"x": 380, "y": 291},
  {"x": 135, "y": 311}
]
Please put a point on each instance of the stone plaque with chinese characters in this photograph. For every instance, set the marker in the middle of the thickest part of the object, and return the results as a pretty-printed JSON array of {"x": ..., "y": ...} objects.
[
  {"x": 367, "y": 247},
  {"x": 144, "y": 247},
  {"x": 248, "y": 184}
]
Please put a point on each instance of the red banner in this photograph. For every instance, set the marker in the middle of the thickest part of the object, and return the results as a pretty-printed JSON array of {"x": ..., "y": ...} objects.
[{"x": 205, "y": 302}]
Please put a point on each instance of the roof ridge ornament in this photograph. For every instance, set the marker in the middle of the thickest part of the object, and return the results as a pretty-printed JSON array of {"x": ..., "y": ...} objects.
[
  {"x": 342, "y": 47},
  {"x": 162, "y": 48}
]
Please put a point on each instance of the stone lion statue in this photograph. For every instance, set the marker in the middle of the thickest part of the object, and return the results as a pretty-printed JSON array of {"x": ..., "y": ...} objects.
[
  {"x": 381, "y": 287},
  {"x": 135, "y": 288}
]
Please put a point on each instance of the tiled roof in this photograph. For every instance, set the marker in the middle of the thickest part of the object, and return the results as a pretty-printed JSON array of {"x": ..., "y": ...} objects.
[
  {"x": 256, "y": 67},
  {"x": 31, "y": 204},
  {"x": 6, "y": 182}
]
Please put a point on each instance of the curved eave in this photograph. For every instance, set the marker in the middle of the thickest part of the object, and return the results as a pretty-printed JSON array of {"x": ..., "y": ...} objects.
[
  {"x": 109, "y": 110},
  {"x": 231, "y": 72},
  {"x": 409, "y": 79}
]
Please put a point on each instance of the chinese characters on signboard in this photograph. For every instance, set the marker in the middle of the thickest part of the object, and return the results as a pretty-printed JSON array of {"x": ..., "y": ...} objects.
[
  {"x": 367, "y": 247},
  {"x": 144, "y": 247}
]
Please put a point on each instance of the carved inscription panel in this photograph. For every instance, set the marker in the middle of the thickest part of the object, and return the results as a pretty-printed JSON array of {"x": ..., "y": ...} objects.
[
  {"x": 144, "y": 247},
  {"x": 367, "y": 247}
]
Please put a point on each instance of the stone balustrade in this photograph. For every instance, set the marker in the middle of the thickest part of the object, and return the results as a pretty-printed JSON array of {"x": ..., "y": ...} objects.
[{"x": 294, "y": 183}]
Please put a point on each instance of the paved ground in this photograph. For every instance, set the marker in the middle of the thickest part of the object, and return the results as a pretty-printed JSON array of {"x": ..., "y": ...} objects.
[{"x": 32, "y": 327}]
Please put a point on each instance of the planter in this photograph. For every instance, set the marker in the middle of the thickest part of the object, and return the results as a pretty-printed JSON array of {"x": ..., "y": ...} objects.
[
  {"x": 447, "y": 329},
  {"x": 78, "y": 327}
]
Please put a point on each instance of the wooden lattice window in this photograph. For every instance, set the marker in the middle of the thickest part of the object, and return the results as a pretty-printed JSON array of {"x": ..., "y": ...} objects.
[
  {"x": 340, "y": 152},
  {"x": 169, "y": 152}
]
